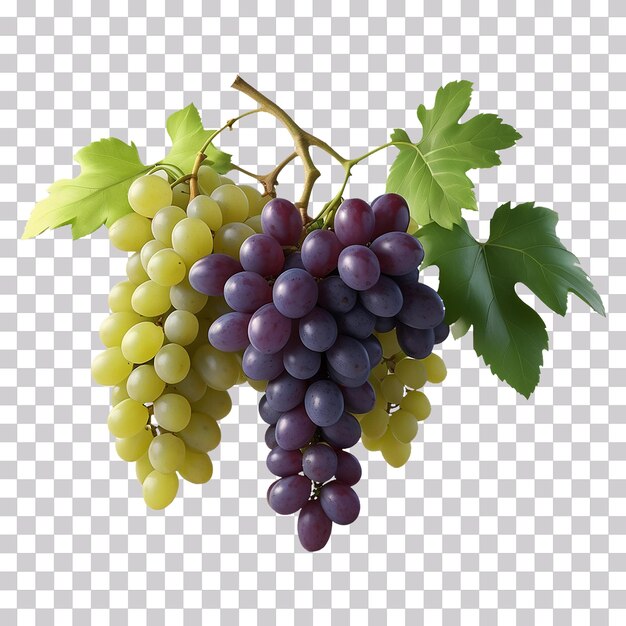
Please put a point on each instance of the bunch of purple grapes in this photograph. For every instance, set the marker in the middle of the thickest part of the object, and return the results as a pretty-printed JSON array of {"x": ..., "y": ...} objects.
[{"x": 305, "y": 320}]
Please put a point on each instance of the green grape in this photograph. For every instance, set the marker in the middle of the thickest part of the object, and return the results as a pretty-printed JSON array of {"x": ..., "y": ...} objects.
[
  {"x": 120, "y": 296},
  {"x": 166, "y": 268},
  {"x": 166, "y": 453},
  {"x": 215, "y": 307},
  {"x": 228, "y": 238},
  {"x": 134, "y": 447},
  {"x": 208, "y": 179},
  {"x": 216, "y": 404},
  {"x": 392, "y": 389},
  {"x": 197, "y": 468},
  {"x": 144, "y": 384},
  {"x": 119, "y": 393},
  {"x": 257, "y": 385},
  {"x": 219, "y": 370},
  {"x": 370, "y": 443},
  {"x": 114, "y": 327},
  {"x": 134, "y": 269},
  {"x": 412, "y": 227},
  {"x": 411, "y": 372},
  {"x": 202, "y": 338},
  {"x": 380, "y": 371},
  {"x": 380, "y": 402},
  {"x": 192, "y": 387},
  {"x": 256, "y": 201},
  {"x": 255, "y": 224},
  {"x": 172, "y": 363},
  {"x": 395, "y": 452},
  {"x": 151, "y": 299},
  {"x": 149, "y": 250},
  {"x": 180, "y": 195},
  {"x": 202, "y": 433},
  {"x": 181, "y": 327},
  {"x": 172, "y": 412},
  {"x": 374, "y": 424},
  {"x": 110, "y": 367},
  {"x": 436, "y": 371},
  {"x": 130, "y": 232},
  {"x": 148, "y": 194},
  {"x": 142, "y": 342},
  {"x": 389, "y": 343},
  {"x": 232, "y": 202},
  {"x": 164, "y": 222},
  {"x": 207, "y": 210},
  {"x": 224, "y": 180},
  {"x": 143, "y": 467},
  {"x": 403, "y": 425},
  {"x": 417, "y": 403},
  {"x": 159, "y": 490},
  {"x": 192, "y": 239},
  {"x": 127, "y": 418},
  {"x": 185, "y": 298}
]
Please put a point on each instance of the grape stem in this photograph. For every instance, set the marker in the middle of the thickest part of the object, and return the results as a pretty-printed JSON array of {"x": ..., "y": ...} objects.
[
  {"x": 182, "y": 179},
  {"x": 302, "y": 139},
  {"x": 193, "y": 180},
  {"x": 269, "y": 180}
]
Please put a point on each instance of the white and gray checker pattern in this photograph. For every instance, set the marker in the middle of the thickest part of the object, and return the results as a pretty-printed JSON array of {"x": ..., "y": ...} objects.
[{"x": 510, "y": 511}]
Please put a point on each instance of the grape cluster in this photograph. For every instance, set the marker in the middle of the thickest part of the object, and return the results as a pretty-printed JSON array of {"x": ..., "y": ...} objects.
[
  {"x": 307, "y": 324},
  {"x": 169, "y": 384}
]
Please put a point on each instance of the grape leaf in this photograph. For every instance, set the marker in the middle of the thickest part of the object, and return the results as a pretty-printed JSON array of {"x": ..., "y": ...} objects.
[
  {"x": 98, "y": 195},
  {"x": 188, "y": 135},
  {"x": 431, "y": 174},
  {"x": 477, "y": 283}
]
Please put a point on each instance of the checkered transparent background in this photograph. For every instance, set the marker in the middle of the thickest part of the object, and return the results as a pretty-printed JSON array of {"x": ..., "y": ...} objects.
[{"x": 510, "y": 511}]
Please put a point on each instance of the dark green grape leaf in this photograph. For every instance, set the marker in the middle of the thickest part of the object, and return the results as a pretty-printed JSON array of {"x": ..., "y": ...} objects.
[{"x": 477, "y": 283}]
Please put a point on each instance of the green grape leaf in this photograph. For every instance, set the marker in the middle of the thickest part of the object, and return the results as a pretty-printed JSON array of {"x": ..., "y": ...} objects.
[
  {"x": 188, "y": 135},
  {"x": 477, "y": 283},
  {"x": 98, "y": 195},
  {"x": 431, "y": 174}
]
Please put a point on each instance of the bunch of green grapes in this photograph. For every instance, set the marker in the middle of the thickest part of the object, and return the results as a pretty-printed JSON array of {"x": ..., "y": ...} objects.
[
  {"x": 170, "y": 386},
  {"x": 392, "y": 424}
]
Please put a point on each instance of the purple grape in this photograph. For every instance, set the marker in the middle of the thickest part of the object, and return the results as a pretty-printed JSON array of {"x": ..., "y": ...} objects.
[
  {"x": 358, "y": 322},
  {"x": 422, "y": 308},
  {"x": 441, "y": 331},
  {"x": 260, "y": 366},
  {"x": 397, "y": 253},
  {"x": 284, "y": 462},
  {"x": 360, "y": 399},
  {"x": 416, "y": 343},
  {"x": 229, "y": 333},
  {"x": 319, "y": 462},
  {"x": 285, "y": 392},
  {"x": 247, "y": 292},
  {"x": 358, "y": 267},
  {"x": 335, "y": 296},
  {"x": 354, "y": 222},
  {"x": 281, "y": 219},
  {"x": 348, "y": 357},
  {"x": 409, "y": 278},
  {"x": 267, "y": 413},
  {"x": 374, "y": 350},
  {"x": 318, "y": 330},
  {"x": 295, "y": 293},
  {"x": 385, "y": 324},
  {"x": 343, "y": 434},
  {"x": 294, "y": 429},
  {"x": 208, "y": 274},
  {"x": 320, "y": 251},
  {"x": 340, "y": 502},
  {"x": 268, "y": 330},
  {"x": 299, "y": 361},
  {"x": 324, "y": 402},
  {"x": 288, "y": 495},
  {"x": 343, "y": 380},
  {"x": 262, "y": 254},
  {"x": 270, "y": 437},
  {"x": 314, "y": 527},
  {"x": 391, "y": 213},
  {"x": 294, "y": 261},
  {"x": 384, "y": 299},
  {"x": 348, "y": 468}
]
